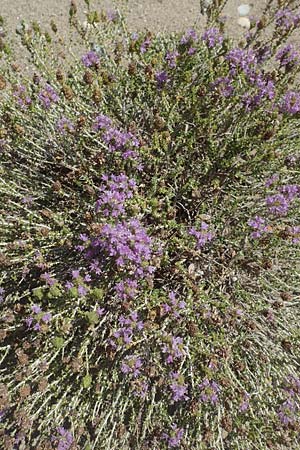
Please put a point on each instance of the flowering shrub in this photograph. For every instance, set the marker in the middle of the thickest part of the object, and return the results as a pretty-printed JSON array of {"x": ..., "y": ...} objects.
[{"x": 149, "y": 239}]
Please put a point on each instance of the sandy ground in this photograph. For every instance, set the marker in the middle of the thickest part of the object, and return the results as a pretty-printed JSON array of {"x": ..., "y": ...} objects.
[{"x": 155, "y": 15}]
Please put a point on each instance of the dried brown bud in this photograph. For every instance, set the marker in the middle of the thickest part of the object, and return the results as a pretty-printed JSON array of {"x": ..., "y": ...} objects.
[
  {"x": 97, "y": 95},
  {"x": 46, "y": 213},
  {"x": 22, "y": 357},
  {"x": 132, "y": 68},
  {"x": 80, "y": 122},
  {"x": 286, "y": 296},
  {"x": 3, "y": 334},
  {"x": 159, "y": 122},
  {"x": 88, "y": 77},
  {"x": 67, "y": 91},
  {"x": 2, "y": 83},
  {"x": 42, "y": 386},
  {"x": 18, "y": 129},
  {"x": 60, "y": 75},
  {"x": 24, "y": 391},
  {"x": 56, "y": 186}
]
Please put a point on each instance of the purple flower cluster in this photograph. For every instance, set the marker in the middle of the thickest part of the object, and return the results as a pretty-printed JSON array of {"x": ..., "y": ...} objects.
[
  {"x": 145, "y": 45},
  {"x": 132, "y": 365},
  {"x": 48, "y": 96},
  {"x": 288, "y": 56},
  {"x": 272, "y": 180},
  {"x": 115, "y": 139},
  {"x": 126, "y": 289},
  {"x": 279, "y": 203},
  {"x": 290, "y": 103},
  {"x": 64, "y": 440},
  {"x": 173, "y": 348},
  {"x": 241, "y": 59},
  {"x": 40, "y": 317},
  {"x": 289, "y": 410},
  {"x": 90, "y": 59},
  {"x": 65, "y": 125},
  {"x": 259, "y": 225},
  {"x": 244, "y": 406},
  {"x": 175, "y": 436},
  {"x": 212, "y": 37},
  {"x": 178, "y": 387},
  {"x": 223, "y": 85},
  {"x": 21, "y": 96},
  {"x": 49, "y": 279},
  {"x": 265, "y": 90},
  {"x": 203, "y": 236},
  {"x": 174, "y": 307},
  {"x": 189, "y": 37},
  {"x": 128, "y": 244},
  {"x": 209, "y": 391},
  {"x": 287, "y": 413},
  {"x": 114, "y": 193},
  {"x": 162, "y": 78},
  {"x": 129, "y": 326},
  {"x": 171, "y": 58},
  {"x": 286, "y": 19},
  {"x": 294, "y": 233}
]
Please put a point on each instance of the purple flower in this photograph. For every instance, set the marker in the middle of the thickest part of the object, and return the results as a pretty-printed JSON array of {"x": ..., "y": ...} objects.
[
  {"x": 162, "y": 78},
  {"x": 126, "y": 289},
  {"x": 65, "y": 125},
  {"x": 75, "y": 274},
  {"x": 244, "y": 406},
  {"x": 69, "y": 285},
  {"x": 273, "y": 179},
  {"x": 290, "y": 191},
  {"x": 171, "y": 58},
  {"x": 294, "y": 233},
  {"x": 173, "y": 348},
  {"x": 278, "y": 204},
  {"x": 209, "y": 391},
  {"x": 90, "y": 59},
  {"x": 189, "y": 37},
  {"x": 288, "y": 412},
  {"x": 64, "y": 440},
  {"x": 145, "y": 45},
  {"x": 203, "y": 236},
  {"x": 36, "y": 309},
  {"x": 286, "y": 19},
  {"x": 29, "y": 321},
  {"x": 288, "y": 56},
  {"x": 290, "y": 103},
  {"x": 132, "y": 365},
  {"x": 224, "y": 86},
  {"x": 212, "y": 37},
  {"x": 242, "y": 59},
  {"x": 22, "y": 97},
  {"x": 28, "y": 200},
  {"x": 82, "y": 290},
  {"x": 100, "y": 311},
  {"x": 48, "y": 96},
  {"x": 174, "y": 437},
  {"x": 178, "y": 387},
  {"x": 259, "y": 225},
  {"x": 46, "y": 317},
  {"x": 48, "y": 278}
]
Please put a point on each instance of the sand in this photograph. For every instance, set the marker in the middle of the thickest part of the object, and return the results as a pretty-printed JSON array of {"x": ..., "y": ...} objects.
[{"x": 155, "y": 15}]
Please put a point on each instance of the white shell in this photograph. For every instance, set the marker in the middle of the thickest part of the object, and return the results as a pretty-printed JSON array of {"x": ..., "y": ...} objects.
[
  {"x": 244, "y": 10},
  {"x": 244, "y": 22}
]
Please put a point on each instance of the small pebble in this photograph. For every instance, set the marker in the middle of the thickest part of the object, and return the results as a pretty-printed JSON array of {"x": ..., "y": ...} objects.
[
  {"x": 244, "y": 22},
  {"x": 244, "y": 10}
]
